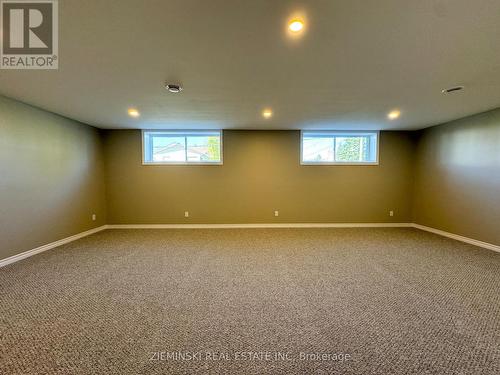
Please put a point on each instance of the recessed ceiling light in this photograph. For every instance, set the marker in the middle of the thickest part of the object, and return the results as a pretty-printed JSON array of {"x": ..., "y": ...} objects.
[
  {"x": 132, "y": 112},
  {"x": 394, "y": 114},
  {"x": 452, "y": 89},
  {"x": 173, "y": 88},
  {"x": 296, "y": 26},
  {"x": 267, "y": 113}
]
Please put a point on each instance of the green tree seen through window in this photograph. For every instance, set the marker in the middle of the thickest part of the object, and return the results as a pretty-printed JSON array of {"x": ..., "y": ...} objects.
[
  {"x": 350, "y": 149},
  {"x": 213, "y": 148}
]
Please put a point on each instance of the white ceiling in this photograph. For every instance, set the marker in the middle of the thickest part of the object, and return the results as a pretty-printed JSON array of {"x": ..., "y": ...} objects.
[{"x": 357, "y": 60}]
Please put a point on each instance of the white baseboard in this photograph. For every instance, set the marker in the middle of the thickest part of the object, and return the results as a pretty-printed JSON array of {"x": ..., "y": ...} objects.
[
  {"x": 29, "y": 253},
  {"x": 457, "y": 237},
  {"x": 26, "y": 254},
  {"x": 40, "y": 249},
  {"x": 259, "y": 225}
]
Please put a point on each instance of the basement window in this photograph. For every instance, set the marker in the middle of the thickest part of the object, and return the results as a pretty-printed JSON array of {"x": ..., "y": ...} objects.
[
  {"x": 182, "y": 147},
  {"x": 339, "y": 148}
]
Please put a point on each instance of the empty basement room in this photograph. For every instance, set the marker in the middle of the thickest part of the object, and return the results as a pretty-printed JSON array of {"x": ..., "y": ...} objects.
[{"x": 250, "y": 187}]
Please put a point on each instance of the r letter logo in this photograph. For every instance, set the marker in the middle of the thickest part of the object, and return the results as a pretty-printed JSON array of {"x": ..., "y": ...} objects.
[{"x": 29, "y": 34}]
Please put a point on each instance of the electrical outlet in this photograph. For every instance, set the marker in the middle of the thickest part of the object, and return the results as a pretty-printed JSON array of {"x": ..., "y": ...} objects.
[
  {"x": 276, "y": 213},
  {"x": 94, "y": 217},
  {"x": 186, "y": 213},
  {"x": 391, "y": 213}
]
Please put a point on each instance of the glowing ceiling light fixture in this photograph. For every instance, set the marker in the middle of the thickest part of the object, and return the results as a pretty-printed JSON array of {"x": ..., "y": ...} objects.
[
  {"x": 133, "y": 112},
  {"x": 267, "y": 113},
  {"x": 394, "y": 114},
  {"x": 296, "y": 26}
]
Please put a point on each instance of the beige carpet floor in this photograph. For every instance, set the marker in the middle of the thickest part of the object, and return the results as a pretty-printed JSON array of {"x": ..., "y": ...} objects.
[{"x": 252, "y": 301}]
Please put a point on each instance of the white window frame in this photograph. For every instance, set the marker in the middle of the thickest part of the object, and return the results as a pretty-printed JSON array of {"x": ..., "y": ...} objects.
[
  {"x": 340, "y": 133},
  {"x": 183, "y": 133}
]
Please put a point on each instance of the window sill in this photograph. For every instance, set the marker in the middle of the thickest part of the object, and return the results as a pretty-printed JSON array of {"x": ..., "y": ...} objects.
[
  {"x": 181, "y": 163},
  {"x": 339, "y": 163}
]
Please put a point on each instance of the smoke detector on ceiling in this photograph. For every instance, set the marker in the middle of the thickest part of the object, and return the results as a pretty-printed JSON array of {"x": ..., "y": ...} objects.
[
  {"x": 173, "y": 88},
  {"x": 452, "y": 89}
]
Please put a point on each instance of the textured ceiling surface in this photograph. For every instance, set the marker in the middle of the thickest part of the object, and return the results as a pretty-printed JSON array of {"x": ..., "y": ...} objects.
[{"x": 355, "y": 61}]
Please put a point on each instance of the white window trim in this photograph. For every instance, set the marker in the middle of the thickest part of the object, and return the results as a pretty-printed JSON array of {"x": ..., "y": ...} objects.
[
  {"x": 376, "y": 162},
  {"x": 183, "y": 132}
]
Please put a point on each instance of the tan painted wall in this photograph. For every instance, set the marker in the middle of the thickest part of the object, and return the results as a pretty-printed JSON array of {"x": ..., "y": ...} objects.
[
  {"x": 457, "y": 185},
  {"x": 53, "y": 173},
  {"x": 261, "y": 173},
  {"x": 51, "y": 177}
]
